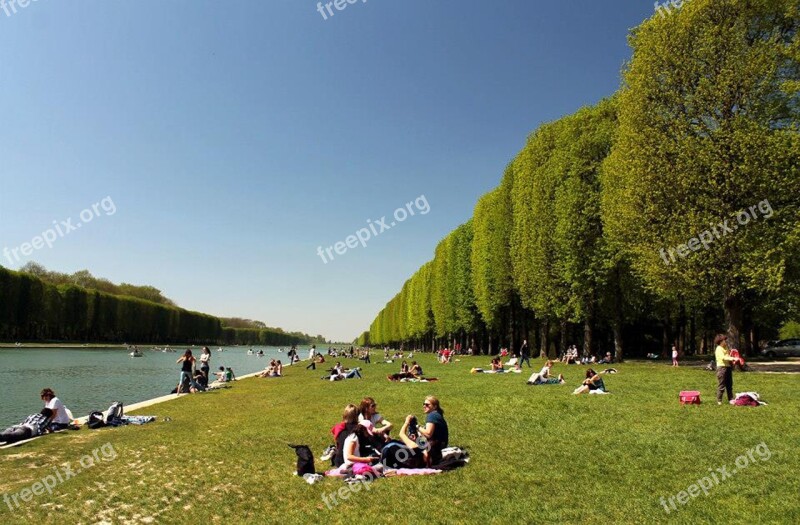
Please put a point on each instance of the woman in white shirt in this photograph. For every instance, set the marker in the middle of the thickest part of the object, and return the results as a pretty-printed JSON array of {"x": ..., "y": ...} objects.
[
  {"x": 368, "y": 411},
  {"x": 60, "y": 417}
]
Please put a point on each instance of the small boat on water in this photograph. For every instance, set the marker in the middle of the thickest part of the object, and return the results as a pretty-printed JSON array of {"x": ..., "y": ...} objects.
[
  {"x": 136, "y": 353},
  {"x": 220, "y": 350}
]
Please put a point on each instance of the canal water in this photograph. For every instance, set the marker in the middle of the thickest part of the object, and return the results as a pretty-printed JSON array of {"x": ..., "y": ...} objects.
[{"x": 88, "y": 379}]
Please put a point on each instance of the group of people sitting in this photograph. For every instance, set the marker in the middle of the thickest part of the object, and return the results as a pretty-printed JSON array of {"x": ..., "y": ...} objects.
[
  {"x": 364, "y": 444},
  {"x": 592, "y": 382},
  {"x": 412, "y": 372},
  {"x": 53, "y": 417},
  {"x": 572, "y": 357},
  {"x": 275, "y": 369}
]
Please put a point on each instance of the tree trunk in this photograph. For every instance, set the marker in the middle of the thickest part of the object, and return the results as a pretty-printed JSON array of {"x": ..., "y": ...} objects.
[
  {"x": 563, "y": 341},
  {"x": 733, "y": 320},
  {"x": 544, "y": 339}
]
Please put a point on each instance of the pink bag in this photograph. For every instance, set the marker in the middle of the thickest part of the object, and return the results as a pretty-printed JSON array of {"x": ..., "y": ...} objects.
[
  {"x": 363, "y": 469},
  {"x": 689, "y": 397}
]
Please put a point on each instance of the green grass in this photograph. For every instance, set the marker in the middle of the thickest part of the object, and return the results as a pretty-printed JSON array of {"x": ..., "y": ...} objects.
[{"x": 538, "y": 454}]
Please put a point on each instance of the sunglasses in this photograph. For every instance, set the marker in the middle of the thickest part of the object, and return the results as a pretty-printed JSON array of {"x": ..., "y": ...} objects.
[{"x": 426, "y": 404}]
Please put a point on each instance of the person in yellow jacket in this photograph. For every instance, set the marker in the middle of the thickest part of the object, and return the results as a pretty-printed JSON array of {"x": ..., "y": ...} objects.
[{"x": 724, "y": 367}]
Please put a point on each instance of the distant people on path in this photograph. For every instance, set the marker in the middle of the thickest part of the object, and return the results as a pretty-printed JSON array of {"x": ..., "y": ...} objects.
[
  {"x": 205, "y": 362},
  {"x": 674, "y": 356},
  {"x": 34, "y": 425},
  {"x": 60, "y": 419},
  {"x": 724, "y": 367}
]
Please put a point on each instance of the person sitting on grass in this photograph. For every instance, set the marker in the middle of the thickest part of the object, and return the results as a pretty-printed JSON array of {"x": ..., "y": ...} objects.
[
  {"x": 435, "y": 431},
  {"x": 404, "y": 368},
  {"x": 497, "y": 365},
  {"x": 415, "y": 370},
  {"x": 199, "y": 382},
  {"x": 544, "y": 377},
  {"x": 34, "y": 425},
  {"x": 592, "y": 384},
  {"x": 368, "y": 411},
  {"x": 404, "y": 453},
  {"x": 60, "y": 419},
  {"x": 352, "y": 452}
]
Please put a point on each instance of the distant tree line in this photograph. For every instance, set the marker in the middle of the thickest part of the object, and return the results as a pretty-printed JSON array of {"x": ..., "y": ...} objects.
[
  {"x": 574, "y": 245},
  {"x": 32, "y": 309}
]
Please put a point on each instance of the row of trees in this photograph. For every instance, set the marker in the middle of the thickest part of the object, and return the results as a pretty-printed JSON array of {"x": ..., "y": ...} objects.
[
  {"x": 34, "y": 310},
  {"x": 589, "y": 235},
  {"x": 84, "y": 279}
]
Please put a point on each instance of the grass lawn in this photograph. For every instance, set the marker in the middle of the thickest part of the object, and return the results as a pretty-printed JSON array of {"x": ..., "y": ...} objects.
[{"x": 538, "y": 454}]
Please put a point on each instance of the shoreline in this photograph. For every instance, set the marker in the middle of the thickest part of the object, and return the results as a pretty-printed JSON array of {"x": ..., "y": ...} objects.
[{"x": 154, "y": 401}]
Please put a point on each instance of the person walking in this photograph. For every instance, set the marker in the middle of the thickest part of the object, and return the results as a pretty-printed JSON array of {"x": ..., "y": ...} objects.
[
  {"x": 674, "y": 356},
  {"x": 724, "y": 367},
  {"x": 524, "y": 354}
]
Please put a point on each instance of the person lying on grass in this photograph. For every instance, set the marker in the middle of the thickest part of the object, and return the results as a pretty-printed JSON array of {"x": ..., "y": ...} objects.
[
  {"x": 544, "y": 377},
  {"x": 592, "y": 384},
  {"x": 339, "y": 373},
  {"x": 34, "y": 425}
]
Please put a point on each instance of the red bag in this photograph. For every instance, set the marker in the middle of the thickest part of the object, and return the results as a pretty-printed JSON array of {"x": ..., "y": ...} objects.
[{"x": 689, "y": 397}]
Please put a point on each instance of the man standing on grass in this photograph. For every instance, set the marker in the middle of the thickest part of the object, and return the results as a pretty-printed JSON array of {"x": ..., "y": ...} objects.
[
  {"x": 724, "y": 367},
  {"x": 524, "y": 354}
]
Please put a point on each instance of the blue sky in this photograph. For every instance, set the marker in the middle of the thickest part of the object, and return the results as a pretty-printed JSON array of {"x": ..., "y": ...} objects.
[{"x": 235, "y": 138}]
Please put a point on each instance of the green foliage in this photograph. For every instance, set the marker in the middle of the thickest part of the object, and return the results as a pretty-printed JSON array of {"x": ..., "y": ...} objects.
[
  {"x": 31, "y": 309},
  {"x": 84, "y": 279},
  {"x": 706, "y": 130},
  {"x": 492, "y": 280},
  {"x": 790, "y": 330}
]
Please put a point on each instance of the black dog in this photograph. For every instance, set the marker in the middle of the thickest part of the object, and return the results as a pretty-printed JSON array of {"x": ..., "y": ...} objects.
[{"x": 305, "y": 460}]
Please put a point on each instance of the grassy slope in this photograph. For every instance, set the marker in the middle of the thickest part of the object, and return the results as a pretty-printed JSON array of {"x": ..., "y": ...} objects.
[{"x": 538, "y": 453}]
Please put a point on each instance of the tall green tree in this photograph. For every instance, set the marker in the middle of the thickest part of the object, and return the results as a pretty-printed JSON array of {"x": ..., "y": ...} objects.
[
  {"x": 492, "y": 279},
  {"x": 709, "y": 136}
]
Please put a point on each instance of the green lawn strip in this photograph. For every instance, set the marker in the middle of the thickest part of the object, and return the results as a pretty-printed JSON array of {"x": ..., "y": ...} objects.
[{"x": 538, "y": 453}]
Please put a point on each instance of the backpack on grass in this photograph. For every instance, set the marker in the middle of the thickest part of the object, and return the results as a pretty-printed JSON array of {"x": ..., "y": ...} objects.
[
  {"x": 95, "y": 420},
  {"x": 115, "y": 413},
  {"x": 689, "y": 397}
]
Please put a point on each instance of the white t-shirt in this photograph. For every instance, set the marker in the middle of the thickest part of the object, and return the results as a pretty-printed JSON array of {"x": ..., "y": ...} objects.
[
  {"x": 375, "y": 419},
  {"x": 356, "y": 452},
  {"x": 674, "y": 354},
  {"x": 545, "y": 372},
  {"x": 311, "y": 354},
  {"x": 59, "y": 411}
]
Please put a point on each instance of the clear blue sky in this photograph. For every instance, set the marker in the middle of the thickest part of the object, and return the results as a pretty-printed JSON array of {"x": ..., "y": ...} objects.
[{"x": 234, "y": 138}]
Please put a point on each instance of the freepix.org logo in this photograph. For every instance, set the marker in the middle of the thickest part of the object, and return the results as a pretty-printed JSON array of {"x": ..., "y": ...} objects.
[{"x": 363, "y": 235}]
